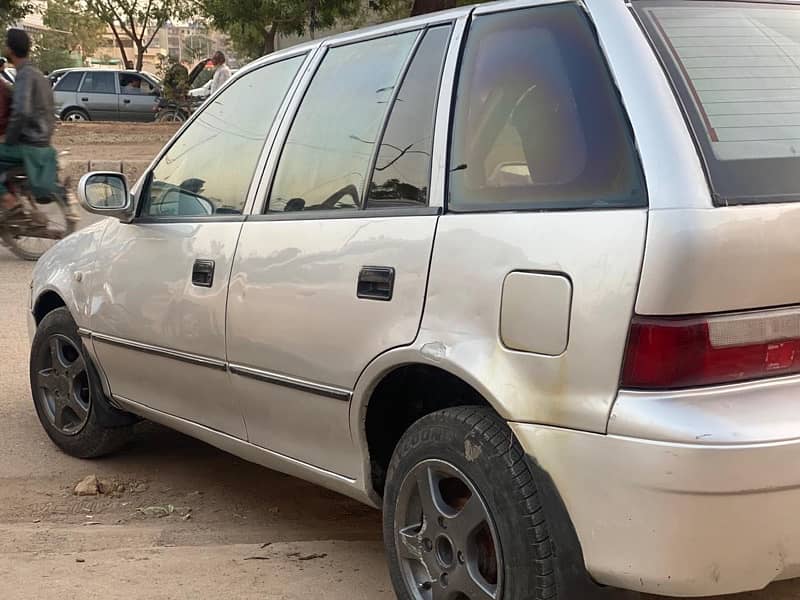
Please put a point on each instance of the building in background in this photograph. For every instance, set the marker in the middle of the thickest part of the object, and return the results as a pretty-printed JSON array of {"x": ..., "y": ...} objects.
[
  {"x": 34, "y": 22},
  {"x": 187, "y": 43}
]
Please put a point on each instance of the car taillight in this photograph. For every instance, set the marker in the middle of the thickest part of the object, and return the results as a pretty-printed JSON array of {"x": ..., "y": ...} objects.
[{"x": 668, "y": 352}]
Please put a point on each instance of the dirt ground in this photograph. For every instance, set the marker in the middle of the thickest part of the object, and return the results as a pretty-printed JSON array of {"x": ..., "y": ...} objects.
[
  {"x": 111, "y": 141},
  {"x": 184, "y": 520}
]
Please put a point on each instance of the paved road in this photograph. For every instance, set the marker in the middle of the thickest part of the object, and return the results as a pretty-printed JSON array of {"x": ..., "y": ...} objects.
[{"x": 54, "y": 545}]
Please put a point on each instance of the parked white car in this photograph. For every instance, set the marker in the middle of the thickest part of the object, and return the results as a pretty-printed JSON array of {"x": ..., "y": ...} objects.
[
  {"x": 524, "y": 275},
  {"x": 204, "y": 91}
]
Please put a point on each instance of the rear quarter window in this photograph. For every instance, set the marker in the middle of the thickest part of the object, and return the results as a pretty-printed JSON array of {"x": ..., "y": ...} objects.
[
  {"x": 538, "y": 122},
  {"x": 69, "y": 82},
  {"x": 735, "y": 67}
]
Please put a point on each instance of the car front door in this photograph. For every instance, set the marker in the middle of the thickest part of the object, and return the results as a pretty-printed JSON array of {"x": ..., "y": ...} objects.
[
  {"x": 98, "y": 95},
  {"x": 158, "y": 321},
  {"x": 137, "y": 98},
  {"x": 333, "y": 273}
]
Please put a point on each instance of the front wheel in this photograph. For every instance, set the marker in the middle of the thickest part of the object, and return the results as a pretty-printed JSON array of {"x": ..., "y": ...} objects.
[
  {"x": 462, "y": 517},
  {"x": 170, "y": 116},
  {"x": 67, "y": 393}
]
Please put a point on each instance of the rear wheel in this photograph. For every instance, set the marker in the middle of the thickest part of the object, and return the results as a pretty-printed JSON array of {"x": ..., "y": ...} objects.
[
  {"x": 75, "y": 114},
  {"x": 28, "y": 242},
  {"x": 67, "y": 393},
  {"x": 462, "y": 519}
]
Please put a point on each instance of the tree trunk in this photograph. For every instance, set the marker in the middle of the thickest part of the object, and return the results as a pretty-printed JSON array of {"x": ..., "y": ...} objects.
[
  {"x": 121, "y": 46},
  {"x": 269, "y": 40},
  {"x": 422, "y": 7},
  {"x": 140, "y": 50}
]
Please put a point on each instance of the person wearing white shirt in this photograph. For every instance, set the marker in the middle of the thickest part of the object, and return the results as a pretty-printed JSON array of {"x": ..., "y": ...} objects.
[{"x": 221, "y": 71}]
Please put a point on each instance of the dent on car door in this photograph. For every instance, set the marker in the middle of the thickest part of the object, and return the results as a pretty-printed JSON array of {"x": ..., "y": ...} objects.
[
  {"x": 159, "y": 317},
  {"x": 334, "y": 272},
  {"x": 546, "y": 220}
]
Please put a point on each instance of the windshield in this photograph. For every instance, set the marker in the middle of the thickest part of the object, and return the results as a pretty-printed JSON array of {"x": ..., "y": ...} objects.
[{"x": 736, "y": 69}]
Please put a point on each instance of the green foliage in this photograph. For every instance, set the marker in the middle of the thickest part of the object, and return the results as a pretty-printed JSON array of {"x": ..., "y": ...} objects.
[
  {"x": 175, "y": 79},
  {"x": 79, "y": 30},
  {"x": 12, "y": 11},
  {"x": 138, "y": 20},
  {"x": 253, "y": 24},
  {"x": 49, "y": 59}
]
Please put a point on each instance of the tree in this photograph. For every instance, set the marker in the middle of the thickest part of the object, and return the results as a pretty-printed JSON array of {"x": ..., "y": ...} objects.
[
  {"x": 49, "y": 58},
  {"x": 421, "y": 7},
  {"x": 138, "y": 20},
  {"x": 254, "y": 24},
  {"x": 13, "y": 11},
  {"x": 76, "y": 29}
]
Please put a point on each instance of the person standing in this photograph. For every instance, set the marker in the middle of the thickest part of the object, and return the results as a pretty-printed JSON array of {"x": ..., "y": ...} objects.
[
  {"x": 5, "y": 75},
  {"x": 221, "y": 71},
  {"x": 30, "y": 130}
]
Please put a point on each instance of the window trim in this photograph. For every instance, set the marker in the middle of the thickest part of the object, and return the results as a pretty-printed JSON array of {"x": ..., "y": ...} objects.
[
  {"x": 488, "y": 10},
  {"x": 376, "y": 147},
  {"x": 80, "y": 75},
  {"x": 387, "y": 118},
  {"x": 265, "y": 150},
  {"x": 87, "y": 73},
  {"x": 142, "y": 78},
  {"x": 313, "y": 69}
]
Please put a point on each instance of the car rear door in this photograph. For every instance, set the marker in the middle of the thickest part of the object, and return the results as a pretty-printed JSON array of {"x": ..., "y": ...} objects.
[
  {"x": 158, "y": 320},
  {"x": 66, "y": 89},
  {"x": 137, "y": 98},
  {"x": 333, "y": 273},
  {"x": 98, "y": 95}
]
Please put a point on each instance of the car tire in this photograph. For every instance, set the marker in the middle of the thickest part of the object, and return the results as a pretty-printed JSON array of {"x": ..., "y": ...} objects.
[
  {"x": 67, "y": 393},
  {"x": 452, "y": 452},
  {"x": 75, "y": 114}
]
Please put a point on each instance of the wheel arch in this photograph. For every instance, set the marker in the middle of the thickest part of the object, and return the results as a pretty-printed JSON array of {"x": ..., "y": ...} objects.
[
  {"x": 373, "y": 425},
  {"x": 47, "y": 301},
  {"x": 394, "y": 391}
]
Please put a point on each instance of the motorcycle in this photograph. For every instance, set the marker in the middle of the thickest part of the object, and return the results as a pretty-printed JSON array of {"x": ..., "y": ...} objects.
[{"x": 23, "y": 233}]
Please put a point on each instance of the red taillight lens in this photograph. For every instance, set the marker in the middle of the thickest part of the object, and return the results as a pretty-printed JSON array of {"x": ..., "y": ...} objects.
[{"x": 676, "y": 353}]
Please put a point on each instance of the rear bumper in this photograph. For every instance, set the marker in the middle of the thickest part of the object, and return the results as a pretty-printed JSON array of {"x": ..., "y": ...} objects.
[{"x": 678, "y": 518}]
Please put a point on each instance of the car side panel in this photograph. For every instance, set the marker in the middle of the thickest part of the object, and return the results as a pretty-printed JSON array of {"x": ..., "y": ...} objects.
[{"x": 600, "y": 253}]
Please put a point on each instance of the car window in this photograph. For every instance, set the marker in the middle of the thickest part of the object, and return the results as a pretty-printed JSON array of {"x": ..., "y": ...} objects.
[
  {"x": 99, "y": 82},
  {"x": 208, "y": 170},
  {"x": 735, "y": 68},
  {"x": 538, "y": 123},
  {"x": 69, "y": 82},
  {"x": 327, "y": 154},
  {"x": 402, "y": 169},
  {"x": 134, "y": 85}
]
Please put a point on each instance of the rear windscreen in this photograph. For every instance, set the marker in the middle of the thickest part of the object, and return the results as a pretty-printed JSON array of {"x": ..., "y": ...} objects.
[{"x": 736, "y": 69}]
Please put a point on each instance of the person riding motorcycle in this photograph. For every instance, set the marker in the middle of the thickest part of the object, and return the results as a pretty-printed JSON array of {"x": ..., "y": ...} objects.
[{"x": 29, "y": 132}]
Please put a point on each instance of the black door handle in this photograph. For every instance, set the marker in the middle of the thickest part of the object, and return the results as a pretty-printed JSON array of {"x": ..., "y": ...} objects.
[
  {"x": 376, "y": 283},
  {"x": 84, "y": 99},
  {"x": 126, "y": 101},
  {"x": 203, "y": 273}
]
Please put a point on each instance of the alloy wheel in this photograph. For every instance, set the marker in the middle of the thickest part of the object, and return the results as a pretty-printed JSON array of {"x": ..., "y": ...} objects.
[
  {"x": 446, "y": 541},
  {"x": 63, "y": 386}
]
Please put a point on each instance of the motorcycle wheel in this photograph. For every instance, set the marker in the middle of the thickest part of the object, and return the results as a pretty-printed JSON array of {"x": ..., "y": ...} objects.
[
  {"x": 170, "y": 116},
  {"x": 22, "y": 240}
]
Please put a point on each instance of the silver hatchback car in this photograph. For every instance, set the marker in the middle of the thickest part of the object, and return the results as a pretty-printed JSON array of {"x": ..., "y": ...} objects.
[
  {"x": 525, "y": 274},
  {"x": 98, "y": 95}
]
